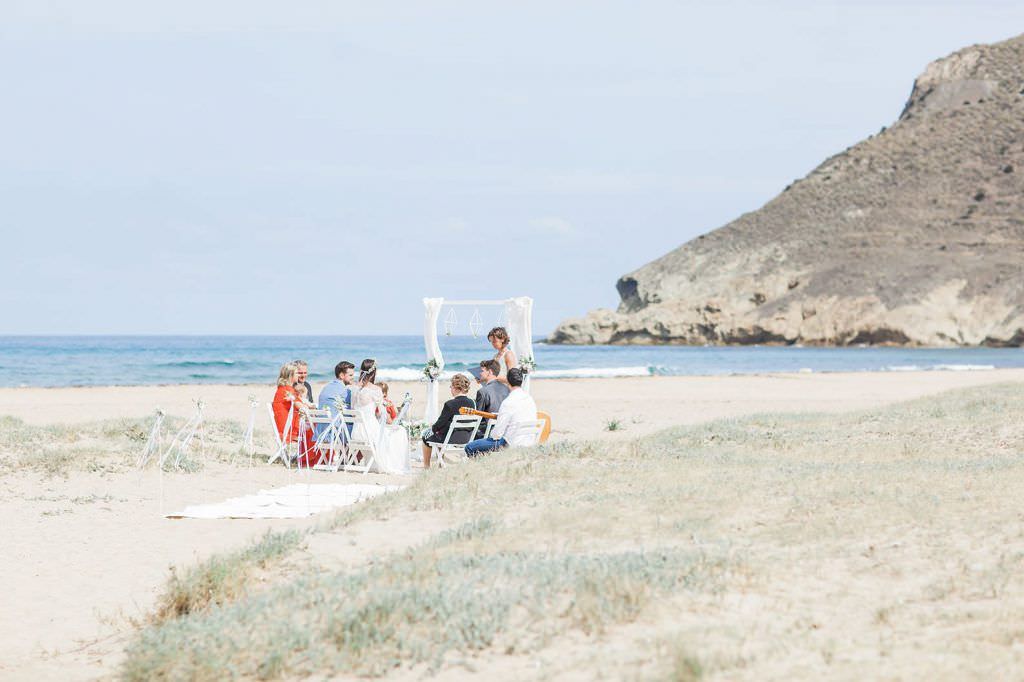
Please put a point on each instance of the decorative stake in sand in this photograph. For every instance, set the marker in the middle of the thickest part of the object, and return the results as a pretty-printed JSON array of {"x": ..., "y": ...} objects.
[
  {"x": 191, "y": 433},
  {"x": 247, "y": 440},
  {"x": 153, "y": 444}
]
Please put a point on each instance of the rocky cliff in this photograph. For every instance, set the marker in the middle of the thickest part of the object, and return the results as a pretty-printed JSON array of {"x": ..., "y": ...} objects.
[{"x": 914, "y": 236}]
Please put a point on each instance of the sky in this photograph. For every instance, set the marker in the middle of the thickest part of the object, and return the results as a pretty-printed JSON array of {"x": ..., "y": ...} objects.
[{"x": 251, "y": 167}]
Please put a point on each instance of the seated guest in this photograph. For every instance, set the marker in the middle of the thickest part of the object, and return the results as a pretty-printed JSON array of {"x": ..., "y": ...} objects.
[
  {"x": 303, "y": 373},
  {"x": 439, "y": 430},
  {"x": 388, "y": 405},
  {"x": 492, "y": 393},
  {"x": 517, "y": 408},
  {"x": 288, "y": 400},
  {"x": 337, "y": 391}
]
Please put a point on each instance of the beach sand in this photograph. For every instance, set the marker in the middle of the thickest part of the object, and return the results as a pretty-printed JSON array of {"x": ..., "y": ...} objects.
[{"x": 86, "y": 554}]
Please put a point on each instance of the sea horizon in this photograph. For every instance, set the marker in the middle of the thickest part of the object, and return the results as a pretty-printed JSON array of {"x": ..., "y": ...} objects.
[{"x": 155, "y": 359}]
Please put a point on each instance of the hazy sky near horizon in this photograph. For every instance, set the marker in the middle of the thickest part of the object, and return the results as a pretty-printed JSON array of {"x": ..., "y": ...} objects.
[{"x": 319, "y": 167}]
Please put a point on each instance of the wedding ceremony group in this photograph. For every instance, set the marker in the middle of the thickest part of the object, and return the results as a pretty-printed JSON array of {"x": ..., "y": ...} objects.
[{"x": 354, "y": 424}]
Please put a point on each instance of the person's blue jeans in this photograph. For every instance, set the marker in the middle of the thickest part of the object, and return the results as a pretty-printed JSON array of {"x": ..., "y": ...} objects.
[{"x": 474, "y": 448}]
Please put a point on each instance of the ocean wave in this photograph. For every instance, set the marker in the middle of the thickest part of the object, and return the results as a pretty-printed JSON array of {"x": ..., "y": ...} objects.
[
  {"x": 409, "y": 374},
  {"x": 400, "y": 374},
  {"x": 939, "y": 368},
  {"x": 595, "y": 372},
  {"x": 197, "y": 363}
]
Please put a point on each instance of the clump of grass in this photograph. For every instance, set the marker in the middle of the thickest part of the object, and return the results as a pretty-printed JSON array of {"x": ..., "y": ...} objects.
[
  {"x": 413, "y": 608},
  {"x": 221, "y": 578},
  {"x": 685, "y": 667},
  {"x": 613, "y": 425}
]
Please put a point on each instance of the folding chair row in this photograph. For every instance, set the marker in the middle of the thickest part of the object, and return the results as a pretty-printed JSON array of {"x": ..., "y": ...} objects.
[
  {"x": 347, "y": 442},
  {"x": 532, "y": 429}
]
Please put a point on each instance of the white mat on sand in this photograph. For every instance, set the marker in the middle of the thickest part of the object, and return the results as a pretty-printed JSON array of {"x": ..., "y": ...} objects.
[{"x": 287, "y": 502}]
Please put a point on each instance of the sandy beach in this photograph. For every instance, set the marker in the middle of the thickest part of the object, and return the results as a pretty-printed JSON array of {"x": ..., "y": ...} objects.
[
  {"x": 89, "y": 550},
  {"x": 578, "y": 407}
]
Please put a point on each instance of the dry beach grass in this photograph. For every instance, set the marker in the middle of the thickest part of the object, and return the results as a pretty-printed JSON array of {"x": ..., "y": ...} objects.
[
  {"x": 885, "y": 542},
  {"x": 110, "y": 445}
]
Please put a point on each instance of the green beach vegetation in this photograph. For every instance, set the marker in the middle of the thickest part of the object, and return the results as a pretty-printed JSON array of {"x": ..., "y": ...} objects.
[{"x": 770, "y": 546}]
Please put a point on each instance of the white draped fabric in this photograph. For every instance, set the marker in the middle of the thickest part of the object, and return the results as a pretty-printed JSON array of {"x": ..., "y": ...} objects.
[
  {"x": 520, "y": 329},
  {"x": 432, "y": 308},
  {"x": 294, "y": 501},
  {"x": 519, "y": 312}
]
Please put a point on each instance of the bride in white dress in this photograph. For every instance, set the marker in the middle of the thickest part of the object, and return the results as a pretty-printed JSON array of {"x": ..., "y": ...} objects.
[{"x": 392, "y": 439}]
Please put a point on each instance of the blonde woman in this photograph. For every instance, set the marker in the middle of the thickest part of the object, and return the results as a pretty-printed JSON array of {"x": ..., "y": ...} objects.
[
  {"x": 459, "y": 388},
  {"x": 504, "y": 356},
  {"x": 286, "y": 399}
]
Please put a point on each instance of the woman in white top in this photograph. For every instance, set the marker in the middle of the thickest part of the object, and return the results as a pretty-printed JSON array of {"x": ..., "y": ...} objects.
[
  {"x": 504, "y": 356},
  {"x": 368, "y": 392}
]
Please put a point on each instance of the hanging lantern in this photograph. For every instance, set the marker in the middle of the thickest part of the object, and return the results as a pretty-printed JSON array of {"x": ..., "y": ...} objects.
[
  {"x": 450, "y": 321},
  {"x": 476, "y": 324}
]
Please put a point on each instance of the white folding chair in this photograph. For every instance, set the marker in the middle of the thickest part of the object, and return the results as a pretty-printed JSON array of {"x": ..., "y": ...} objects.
[
  {"x": 531, "y": 428},
  {"x": 310, "y": 418},
  {"x": 282, "y": 443},
  {"x": 460, "y": 423},
  {"x": 332, "y": 442},
  {"x": 364, "y": 432}
]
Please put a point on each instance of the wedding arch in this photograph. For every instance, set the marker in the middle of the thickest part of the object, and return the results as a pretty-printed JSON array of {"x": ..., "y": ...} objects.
[{"x": 519, "y": 315}]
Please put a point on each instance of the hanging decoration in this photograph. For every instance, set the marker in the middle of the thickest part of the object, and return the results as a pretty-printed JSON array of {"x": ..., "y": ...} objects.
[
  {"x": 476, "y": 324},
  {"x": 450, "y": 321}
]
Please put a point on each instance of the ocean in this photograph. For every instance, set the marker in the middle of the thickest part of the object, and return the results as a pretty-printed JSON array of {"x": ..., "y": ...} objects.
[{"x": 135, "y": 360}]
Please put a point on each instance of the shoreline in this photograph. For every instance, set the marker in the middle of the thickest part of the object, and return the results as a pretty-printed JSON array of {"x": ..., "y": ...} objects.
[
  {"x": 898, "y": 369},
  {"x": 578, "y": 407}
]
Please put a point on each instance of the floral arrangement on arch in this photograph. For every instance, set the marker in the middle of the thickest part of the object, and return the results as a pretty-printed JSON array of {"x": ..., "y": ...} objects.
[
  {"x": 431, "y": 370},
  {"x": 527, "y": 364}
]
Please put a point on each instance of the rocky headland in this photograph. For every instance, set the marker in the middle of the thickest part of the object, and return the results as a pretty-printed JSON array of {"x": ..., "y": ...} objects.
[{"x": 914, "y": 236}]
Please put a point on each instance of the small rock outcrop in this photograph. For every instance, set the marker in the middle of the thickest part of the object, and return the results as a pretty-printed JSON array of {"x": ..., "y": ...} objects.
[{"x": 914, "y": 236}]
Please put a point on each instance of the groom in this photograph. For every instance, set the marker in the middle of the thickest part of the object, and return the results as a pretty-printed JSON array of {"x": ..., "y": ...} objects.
[{"x": 492, "y": 393}]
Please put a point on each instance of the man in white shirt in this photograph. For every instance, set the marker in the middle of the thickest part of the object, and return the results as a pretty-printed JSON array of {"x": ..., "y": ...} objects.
[{"x": 517, "y": 408}]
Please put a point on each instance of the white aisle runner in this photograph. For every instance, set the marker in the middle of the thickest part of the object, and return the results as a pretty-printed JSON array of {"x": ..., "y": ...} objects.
[{"x": 287, "y": 502}]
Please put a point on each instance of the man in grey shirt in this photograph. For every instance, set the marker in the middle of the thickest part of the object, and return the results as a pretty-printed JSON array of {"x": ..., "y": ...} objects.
[{"x": 491, "y": 392}]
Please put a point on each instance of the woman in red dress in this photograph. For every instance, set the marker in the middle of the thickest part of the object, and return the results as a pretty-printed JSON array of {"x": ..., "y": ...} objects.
[{"x": 288, "y": 400}]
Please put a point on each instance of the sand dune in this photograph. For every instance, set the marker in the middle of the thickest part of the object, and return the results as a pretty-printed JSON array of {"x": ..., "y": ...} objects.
[{"x": 89, "y": 551}]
